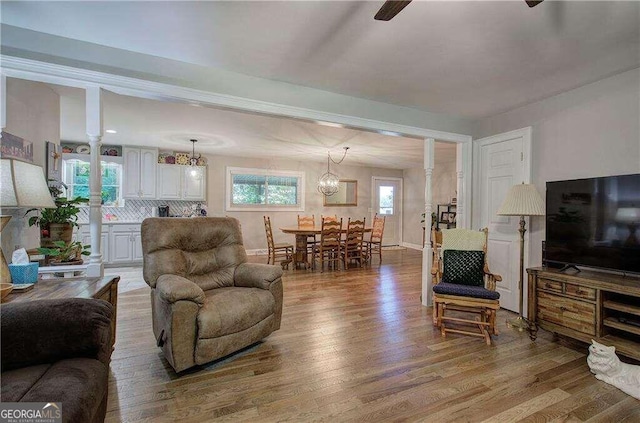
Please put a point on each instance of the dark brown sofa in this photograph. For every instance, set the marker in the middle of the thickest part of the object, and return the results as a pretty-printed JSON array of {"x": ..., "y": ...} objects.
[
  {"x": 206, "y": 300},
  {"x": 58, "y": 351}
]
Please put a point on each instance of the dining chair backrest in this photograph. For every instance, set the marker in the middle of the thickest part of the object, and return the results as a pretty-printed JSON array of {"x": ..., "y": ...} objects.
[
  {"x": 355, "y": 234},
  {"x": 268, "y": 232},
  {"x": 378, "y": 229},
  {"x": 306, "y": 221},
  {"x": 333, "y": 218},
  {"x": 331, "y": 234}
]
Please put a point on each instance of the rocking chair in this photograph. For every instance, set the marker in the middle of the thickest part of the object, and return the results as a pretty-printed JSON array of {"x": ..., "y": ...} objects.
[{"x": 462, "y": 284}]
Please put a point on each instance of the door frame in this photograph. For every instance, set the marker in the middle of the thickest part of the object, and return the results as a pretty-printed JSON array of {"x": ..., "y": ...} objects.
[
  {"x": 525, "y": 134},
  {"x": 400, "y": 200}
]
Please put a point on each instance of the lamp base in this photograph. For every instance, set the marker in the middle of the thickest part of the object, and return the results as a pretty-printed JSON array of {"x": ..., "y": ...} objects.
[{"x": 5, "y": 275}]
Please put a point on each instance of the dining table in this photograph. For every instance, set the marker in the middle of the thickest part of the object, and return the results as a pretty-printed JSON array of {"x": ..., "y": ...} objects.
[{"x": 302, "y": 234}]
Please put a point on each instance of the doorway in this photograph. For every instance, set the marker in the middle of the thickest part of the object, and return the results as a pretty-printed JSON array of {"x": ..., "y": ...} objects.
[
  {"x": 501, "y": 161},
  {"x": 387, "y": 202}
]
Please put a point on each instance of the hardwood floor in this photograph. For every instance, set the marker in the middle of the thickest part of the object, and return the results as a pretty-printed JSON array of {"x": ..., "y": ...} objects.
[{"x": 357, "y": 345}]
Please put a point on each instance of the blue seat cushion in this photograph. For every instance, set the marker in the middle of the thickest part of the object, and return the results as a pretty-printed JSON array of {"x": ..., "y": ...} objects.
[
  {"x": 465, "y": 291},
  {"x": 463, "y": 267}
]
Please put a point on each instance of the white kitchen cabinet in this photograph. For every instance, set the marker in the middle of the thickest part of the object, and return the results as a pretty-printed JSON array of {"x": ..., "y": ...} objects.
[
  {"x": 126, "y": 243},
  {"x": 139, "y": 178},
  {"x": 194, "y": 189},
  {"x": 84, "y": 234},
  {"x": 169, "y": 182},
  {"x": 175, "y": 182}
]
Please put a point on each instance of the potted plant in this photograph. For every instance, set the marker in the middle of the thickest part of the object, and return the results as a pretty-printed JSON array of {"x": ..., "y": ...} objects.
[
  {"x": 65, "y": 253},
  {"x": 57, "y": 224}
]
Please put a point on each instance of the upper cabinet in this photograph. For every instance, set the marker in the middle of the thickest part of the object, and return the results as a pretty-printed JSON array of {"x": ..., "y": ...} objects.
[
  {"x": 194, "y": 188},
  {"x": 175, "y": 182},
  {"x": 140, "y": 172}
]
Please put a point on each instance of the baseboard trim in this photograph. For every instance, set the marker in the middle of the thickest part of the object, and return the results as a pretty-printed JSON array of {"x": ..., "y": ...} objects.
[
  {"x": 257, "y": 252},
  {"x": 412, "y": 246}
]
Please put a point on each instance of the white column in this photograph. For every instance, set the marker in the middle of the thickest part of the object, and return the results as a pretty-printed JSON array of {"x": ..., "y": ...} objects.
[
  {"x": 460, "y": 187},
  {"x": 3, "y": 101},
  {"x": 94, "y": 132},
  {"x": 427, "y": 255}
]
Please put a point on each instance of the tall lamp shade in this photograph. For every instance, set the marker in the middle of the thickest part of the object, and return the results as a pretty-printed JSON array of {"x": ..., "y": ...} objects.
[
  {"x": 21, "y": 185},
  {"x": 521, "y": 200}
]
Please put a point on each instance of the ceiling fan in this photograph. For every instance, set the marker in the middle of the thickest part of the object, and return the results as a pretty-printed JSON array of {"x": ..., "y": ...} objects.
[{"x": 391, "y": 8}]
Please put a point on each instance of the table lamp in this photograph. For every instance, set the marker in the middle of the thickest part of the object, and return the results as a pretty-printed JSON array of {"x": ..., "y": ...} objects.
[
  {"x": 22, "y": 184},
  {"x": 521, "y": 200}
]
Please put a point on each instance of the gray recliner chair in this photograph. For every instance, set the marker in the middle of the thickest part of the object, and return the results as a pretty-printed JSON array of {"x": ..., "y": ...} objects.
[{"x": 207, "y": 301}]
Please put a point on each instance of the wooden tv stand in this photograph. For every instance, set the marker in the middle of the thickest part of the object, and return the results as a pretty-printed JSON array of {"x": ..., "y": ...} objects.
[{"x": 587, "y": 305}]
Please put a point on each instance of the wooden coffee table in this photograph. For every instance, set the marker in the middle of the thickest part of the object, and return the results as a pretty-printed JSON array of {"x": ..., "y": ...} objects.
[{"x": 105, "y": 288}]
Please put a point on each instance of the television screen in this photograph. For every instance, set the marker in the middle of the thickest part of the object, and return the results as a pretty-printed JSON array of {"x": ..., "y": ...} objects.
[{"x": 594, "y": 222}]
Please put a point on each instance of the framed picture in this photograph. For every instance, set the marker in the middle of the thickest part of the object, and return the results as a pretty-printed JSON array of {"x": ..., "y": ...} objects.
[
  {"x": 454, "y": 200},
  {"x": 448, "y": 217},
  {"x": 14, "y": 147}
]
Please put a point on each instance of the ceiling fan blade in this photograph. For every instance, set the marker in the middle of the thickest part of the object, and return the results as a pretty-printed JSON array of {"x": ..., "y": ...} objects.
[
  {"x": 389, "y": 9},
  {"x": 532, "y": 3}
]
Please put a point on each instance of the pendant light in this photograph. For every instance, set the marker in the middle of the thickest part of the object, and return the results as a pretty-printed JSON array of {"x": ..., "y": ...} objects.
[
  {"x": 328, "y": 183},
  {"x": 195, "y": 171}
]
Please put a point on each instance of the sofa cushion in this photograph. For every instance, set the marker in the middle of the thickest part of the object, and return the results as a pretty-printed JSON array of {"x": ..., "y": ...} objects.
[
  {"x": 16, "y": 383},
  {"x": 205, "y": 250},
  {"x": 80, "y": 384},
  {"x": 465, "y": 291},
  {"x": 231, "y": 310}
]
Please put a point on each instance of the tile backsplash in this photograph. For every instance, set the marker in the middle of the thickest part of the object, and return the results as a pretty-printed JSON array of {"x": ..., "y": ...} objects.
[{"x": 137, "y": 210}]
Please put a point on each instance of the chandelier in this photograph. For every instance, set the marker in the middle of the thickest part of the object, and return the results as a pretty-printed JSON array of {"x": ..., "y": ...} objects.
[
  {"x": 328, "y": 183},
  {"x": 195, "y": 171}
]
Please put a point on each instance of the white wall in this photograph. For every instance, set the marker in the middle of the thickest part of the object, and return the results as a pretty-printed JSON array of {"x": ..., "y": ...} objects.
[
  {"x": 590, "y": 131},
  {"x": 33, "y": 113},
  {"x": 252, "y": 221}
]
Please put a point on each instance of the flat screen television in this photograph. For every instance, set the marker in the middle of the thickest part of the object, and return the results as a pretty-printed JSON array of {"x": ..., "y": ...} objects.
[{"x": 594, "y": 222}]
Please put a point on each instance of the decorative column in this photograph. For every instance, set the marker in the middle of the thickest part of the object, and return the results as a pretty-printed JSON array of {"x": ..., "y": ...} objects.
[
  {"x": 3, "y": 102},
  {"x": 94, "y": 132},
  {"x": 461, "y": 208},
  {"x": 427, "y": 251}
]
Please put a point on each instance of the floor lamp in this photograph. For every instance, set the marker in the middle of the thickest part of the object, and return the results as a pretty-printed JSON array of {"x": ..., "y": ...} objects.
[
  {"x": 521, "y": 200},
  {"x": 22, "y": 184}
]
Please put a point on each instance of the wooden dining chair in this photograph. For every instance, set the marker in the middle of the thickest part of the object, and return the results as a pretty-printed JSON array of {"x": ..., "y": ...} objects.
[
  {"x": 333, "y": 218},
  {"x": 374, "y": 244},
  {"x": 352, "y": 246},
  {"x": 278, "y": 250},
  {"x": 328, "y": 249},
  {"x": 308, "y": 222}
]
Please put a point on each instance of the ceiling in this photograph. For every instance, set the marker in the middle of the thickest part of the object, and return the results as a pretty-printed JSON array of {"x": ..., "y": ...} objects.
[
  {"x": 170, "y": 126},
  {"x": 470, "y": 59}
]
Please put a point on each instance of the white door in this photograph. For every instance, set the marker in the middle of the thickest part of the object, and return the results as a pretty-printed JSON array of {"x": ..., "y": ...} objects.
[
  {"x": 387, "y": 199},
  {"x": 501, "y": 161}
]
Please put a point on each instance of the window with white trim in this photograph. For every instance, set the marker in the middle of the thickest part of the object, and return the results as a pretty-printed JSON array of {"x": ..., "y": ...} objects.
[
  {"x": 75, "y": 174},
  {"x": 264, "y": 189}
]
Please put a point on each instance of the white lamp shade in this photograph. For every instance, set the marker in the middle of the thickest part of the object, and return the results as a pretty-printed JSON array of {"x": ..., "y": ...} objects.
[
  {"x": 23, "y": 185},
  {"x": 522, "y": 200}
]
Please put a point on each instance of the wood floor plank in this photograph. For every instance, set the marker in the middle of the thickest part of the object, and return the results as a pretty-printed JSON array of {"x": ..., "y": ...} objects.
[{"x": 357, "y": 345}]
